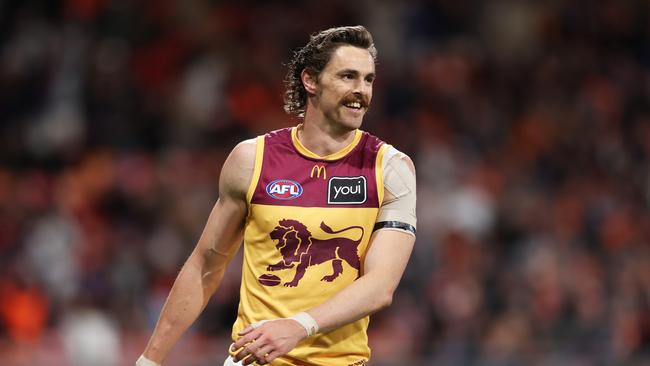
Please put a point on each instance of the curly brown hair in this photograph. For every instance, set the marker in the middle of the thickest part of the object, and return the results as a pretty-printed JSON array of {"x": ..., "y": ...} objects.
[{"x": 315, "y": 55}]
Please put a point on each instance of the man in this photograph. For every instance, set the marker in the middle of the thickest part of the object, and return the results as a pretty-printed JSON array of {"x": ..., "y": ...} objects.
[{"x": 327, "y": 217}]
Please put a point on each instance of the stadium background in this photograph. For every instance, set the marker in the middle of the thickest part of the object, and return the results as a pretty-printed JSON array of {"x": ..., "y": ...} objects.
[{"x": 529, "y": 123}]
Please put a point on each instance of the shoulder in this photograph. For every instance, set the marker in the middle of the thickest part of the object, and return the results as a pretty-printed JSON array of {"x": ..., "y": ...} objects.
[
  {"x": 396, "y": 158},
  {"x": 398, "y": 210},
  {"x": 244, "y": 152},
  {"x": 237, "y": 170},
  {"x": 398, "y": 173},
  {"x": 391, "y": 154}
]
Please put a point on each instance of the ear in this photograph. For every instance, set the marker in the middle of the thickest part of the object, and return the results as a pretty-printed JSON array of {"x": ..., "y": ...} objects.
[{"x": 308, "y": 81}]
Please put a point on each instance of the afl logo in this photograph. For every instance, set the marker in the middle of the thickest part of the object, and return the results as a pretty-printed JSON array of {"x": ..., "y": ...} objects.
[{"x": 284, "y": 189}]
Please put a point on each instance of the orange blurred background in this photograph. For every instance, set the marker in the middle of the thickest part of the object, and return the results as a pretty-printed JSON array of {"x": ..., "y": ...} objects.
[{"x": 529, "y": 124}]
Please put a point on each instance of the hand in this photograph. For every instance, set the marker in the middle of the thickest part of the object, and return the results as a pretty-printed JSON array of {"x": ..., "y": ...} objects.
[{"x": 263, "y": 343}]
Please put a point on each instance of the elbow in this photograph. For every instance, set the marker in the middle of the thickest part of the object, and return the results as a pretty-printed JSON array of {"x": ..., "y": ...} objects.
[
  {"x": 212, "y": 263},
  {"x": 385, "y": 300},
  {"x": 381, "y": 293}
]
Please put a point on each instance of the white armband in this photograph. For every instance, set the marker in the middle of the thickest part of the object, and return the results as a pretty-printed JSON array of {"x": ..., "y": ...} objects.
[
  {"x": 307, "y": 322},
  {"x": 143, "y": 361}
]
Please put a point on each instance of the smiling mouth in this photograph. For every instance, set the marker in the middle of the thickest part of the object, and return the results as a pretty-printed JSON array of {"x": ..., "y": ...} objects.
[
  {"x": 353, "y": 105},
  {"x": 357, "y": 106}
]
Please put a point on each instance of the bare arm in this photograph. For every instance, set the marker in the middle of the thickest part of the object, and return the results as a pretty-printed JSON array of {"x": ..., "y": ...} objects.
[
  {"x": 386, "y": 258},
  {"x": 203, "y": 271},
  {"x": 385, "y": 262}
]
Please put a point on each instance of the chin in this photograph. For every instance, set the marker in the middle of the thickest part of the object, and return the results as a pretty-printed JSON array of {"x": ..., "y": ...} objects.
[
  {"x": 352, "y": 125},
  {"x": 347, "y": 122}
]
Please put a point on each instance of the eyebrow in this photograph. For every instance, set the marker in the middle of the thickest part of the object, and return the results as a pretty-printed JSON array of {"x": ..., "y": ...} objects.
[{"x": 355, "y": 72}]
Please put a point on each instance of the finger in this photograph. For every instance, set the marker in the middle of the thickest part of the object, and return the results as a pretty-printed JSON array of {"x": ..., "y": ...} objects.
[
  {"x": 254, "y": 347},
  {"x": 252, "y": 327},
  {"x": 241, "y": 342},
  {"x": 258, "y": 356},
  {"x": 262, "y": 354},
  {"x": 250, "y": 348},
  {"x": 240, "y": 356},
  {"x": 243, "y": 353},
  {"x": 273, "y": 355},
  {"x": 249, "y": 360},
  {"x": 246, "y": 330}
]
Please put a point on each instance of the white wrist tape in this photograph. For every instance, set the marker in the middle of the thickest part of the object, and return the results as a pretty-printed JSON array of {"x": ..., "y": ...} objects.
[
  {"x": 143, "y": 361},
  {"x": 307, "y": 322}
]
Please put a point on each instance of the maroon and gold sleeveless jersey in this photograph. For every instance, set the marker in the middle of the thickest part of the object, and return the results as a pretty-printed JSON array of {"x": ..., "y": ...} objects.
[{"x": 309, "y": 221}]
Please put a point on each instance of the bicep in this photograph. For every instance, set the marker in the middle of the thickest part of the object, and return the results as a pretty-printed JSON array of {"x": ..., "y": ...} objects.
[
  {"x": 219, "y": 242},
  {"x": 224, "y": 227},
  {"x": 388, "y": 254},
  {"x": 392, "y": 241},
  {"x": 223, "y": 231}
]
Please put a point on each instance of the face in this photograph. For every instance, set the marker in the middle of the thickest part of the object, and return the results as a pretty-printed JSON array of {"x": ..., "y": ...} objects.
[{"x": 344, "y": 88}]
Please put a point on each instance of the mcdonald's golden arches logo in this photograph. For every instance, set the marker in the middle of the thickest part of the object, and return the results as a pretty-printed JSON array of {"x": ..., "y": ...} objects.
[{"x": 318, "y": 169}]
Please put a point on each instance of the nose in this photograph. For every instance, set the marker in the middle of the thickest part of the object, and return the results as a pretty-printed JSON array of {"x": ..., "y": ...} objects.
[{"x": 362, "y": 88}]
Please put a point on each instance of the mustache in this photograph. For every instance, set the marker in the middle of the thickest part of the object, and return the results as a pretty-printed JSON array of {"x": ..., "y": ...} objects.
[{"x": 361, "y": 99}]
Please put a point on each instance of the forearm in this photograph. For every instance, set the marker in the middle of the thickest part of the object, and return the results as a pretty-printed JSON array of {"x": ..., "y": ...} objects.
[
  {"x": 365, "y": 296},
  {"x": 265, "y": 341},
  {"x": 385, "y": 262},
  {"x": 187, "y": 299}
]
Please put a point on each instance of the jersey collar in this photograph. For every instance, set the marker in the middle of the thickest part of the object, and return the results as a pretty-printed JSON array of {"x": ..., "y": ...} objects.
[{"x": 334, "y": 156}]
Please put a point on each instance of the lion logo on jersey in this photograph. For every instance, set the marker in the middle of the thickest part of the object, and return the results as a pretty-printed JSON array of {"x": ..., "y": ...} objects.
[{"x": 298, "y": 246}]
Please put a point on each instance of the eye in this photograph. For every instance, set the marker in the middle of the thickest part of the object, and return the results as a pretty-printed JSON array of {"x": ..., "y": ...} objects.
[
  {"x": 370, "y": 79},
  {"x": 348, "y": 76}
]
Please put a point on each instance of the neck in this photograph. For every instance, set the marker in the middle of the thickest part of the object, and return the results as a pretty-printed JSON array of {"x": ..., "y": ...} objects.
[{"x": 322, "y": 137}]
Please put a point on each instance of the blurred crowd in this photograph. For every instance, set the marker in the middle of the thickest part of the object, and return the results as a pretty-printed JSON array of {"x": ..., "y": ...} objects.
[{"x": 528, "y": 121}]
